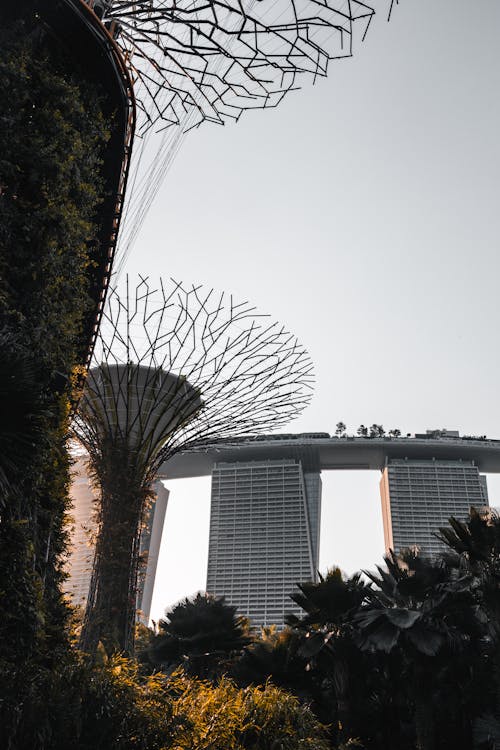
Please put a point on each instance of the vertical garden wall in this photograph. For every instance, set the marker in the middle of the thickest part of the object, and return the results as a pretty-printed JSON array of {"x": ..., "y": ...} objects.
[{"x": 53, "y": 135}]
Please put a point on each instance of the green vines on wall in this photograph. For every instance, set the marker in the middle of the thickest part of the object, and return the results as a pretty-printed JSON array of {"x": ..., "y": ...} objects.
[{"x": 52, "y": 136}]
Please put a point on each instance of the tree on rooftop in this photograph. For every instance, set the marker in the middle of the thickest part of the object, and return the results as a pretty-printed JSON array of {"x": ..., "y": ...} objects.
[{"x": 394, "y": 433}]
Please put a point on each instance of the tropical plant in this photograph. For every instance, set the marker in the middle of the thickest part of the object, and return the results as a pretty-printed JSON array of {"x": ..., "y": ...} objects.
[
  {"x": 73, "y": 703},
  {"x": 422, "y": 613},
  {"x": 202, "y": 634},
  {"x": 275, "y": 656},
  {"x": 476, "y": 544},
  {"x": 22, "y": 411},
  {"x": 329, "y": 646},
  {"x": 52, "y": 136},
  {"x": 476, "y": 540},
  {"x": 223, "y": 717}
]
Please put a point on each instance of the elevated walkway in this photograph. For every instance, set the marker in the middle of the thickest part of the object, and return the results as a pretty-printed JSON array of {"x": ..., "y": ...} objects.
[{"x": 89, "y": 47}]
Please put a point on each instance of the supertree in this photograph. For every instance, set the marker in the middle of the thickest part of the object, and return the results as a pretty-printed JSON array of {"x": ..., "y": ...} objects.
[
  {"x": 221, "y": 57},
  {"x": 174, "y": 366},
  {"x": 192, "y": 61}
]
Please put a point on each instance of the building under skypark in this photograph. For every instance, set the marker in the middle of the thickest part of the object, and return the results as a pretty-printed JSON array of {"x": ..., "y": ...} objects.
[{"x": 266, "y": 502}]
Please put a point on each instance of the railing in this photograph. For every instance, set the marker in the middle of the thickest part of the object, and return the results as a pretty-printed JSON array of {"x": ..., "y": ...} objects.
[{"x": 104, "y": 37}]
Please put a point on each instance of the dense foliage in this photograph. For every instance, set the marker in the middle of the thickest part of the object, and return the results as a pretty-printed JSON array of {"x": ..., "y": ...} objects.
[
  {"x": 406, "y": 657},
  {"x": 409, "y": 659},
  {"x": 223, "y": 717},
  {"x": 96, "y": 707},
  {"x": 201, "y": 634},
  {"x": 52, "y": 135}
]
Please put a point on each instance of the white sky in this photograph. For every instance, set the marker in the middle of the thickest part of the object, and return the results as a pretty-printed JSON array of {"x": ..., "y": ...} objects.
[{"x": 362, "y": 213}]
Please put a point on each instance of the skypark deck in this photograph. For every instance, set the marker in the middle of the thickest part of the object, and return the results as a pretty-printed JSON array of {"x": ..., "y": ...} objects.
[{"x": 320, "y": 452}]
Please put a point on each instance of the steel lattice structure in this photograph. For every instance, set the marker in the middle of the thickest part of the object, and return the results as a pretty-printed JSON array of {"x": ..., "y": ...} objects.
[
  {"x": 192, "y": 61},
  {"x": 217, "y": 58},
  {"x": 175, "y": 366}
]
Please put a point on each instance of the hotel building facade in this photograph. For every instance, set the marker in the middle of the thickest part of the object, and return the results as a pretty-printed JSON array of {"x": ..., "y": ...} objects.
[
  {"x": 264, "y": 536},
  {"x": 419, "y": 496}
]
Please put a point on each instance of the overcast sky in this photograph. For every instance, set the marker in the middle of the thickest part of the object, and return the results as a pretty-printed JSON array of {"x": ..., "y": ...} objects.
[{"x": 363, "y": 214}]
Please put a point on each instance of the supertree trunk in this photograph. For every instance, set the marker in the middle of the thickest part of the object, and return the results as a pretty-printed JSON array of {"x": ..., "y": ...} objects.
[{"x": 111, "y": 609}]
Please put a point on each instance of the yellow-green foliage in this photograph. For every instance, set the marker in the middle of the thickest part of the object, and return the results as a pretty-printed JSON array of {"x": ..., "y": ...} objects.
[
  {"x": 223, "y": 717},
  {"x": 111, "y": 705},
  {"x": 121, "y": 709}
]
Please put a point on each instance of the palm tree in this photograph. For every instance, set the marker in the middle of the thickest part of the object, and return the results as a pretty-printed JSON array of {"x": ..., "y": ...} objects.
[
  {"x": 328, "y": 644},
  {"x": 476, "y": 540},
  {"x": 203, "y": 634},
  {"x": 422, "y": 612},
  {"x": 276, "y": 656},
  {"x": 476, "y": 544}
]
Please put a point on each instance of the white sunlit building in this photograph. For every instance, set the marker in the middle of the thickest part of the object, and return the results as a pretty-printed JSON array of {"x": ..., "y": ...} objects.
[
  {"x": 419, "y": 496},
  {"x": 264, "y": 536}
]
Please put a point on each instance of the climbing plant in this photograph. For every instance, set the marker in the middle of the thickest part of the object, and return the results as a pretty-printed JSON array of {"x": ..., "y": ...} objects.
[{"x": 52, "y": 136}]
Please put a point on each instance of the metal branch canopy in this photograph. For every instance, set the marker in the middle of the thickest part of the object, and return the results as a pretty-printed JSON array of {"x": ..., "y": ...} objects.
[
  {"x": 175, "y": 366},
  {"x": 192, "y": 61},
  {"x": 216, "y": 58}
]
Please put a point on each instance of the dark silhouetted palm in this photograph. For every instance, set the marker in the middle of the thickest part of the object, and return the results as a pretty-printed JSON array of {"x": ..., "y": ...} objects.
[
  {"x": 477, "y": 539},
  {"x": 476, "y": 542},
  {"x": 275, "y": 656},
  {"x": 420, "y": 610},
  {"x": 200, "y": 633},
  {"x": 328, "y": 645}
]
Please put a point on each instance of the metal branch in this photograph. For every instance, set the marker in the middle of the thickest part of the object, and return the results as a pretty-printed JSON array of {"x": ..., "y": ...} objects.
[{"x": 221, "y": 57}]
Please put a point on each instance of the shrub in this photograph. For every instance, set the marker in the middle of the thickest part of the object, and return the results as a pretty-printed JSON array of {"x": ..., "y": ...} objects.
[
  {"x": 74, "y": 704},
  {"x": 89, "y": 706},
  {"x": 223, "y": 717}
]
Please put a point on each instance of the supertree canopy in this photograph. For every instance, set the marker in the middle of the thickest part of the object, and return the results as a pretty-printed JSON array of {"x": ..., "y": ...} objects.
[
  {"x": 174, "y": 366},
  {"x": 220, "y": 57},
  {"x": 209, "y": 60}
]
